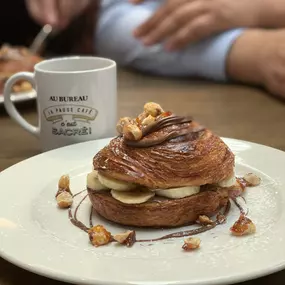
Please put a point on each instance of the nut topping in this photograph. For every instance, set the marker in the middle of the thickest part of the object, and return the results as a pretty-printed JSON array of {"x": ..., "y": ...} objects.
[
  {"x": 140, "y": 118},
  {"x": 132, "y": 132},
  {"x": 63, "y": 185},
  {"x": 148, "y": 121},
  {"x": 128, "y": 238},
  {"x": 122, "y": 122},
  {"x": 164, "y": 115},
  {"x": 252, "y": 179},
  {"x": 221, "y": 218},
  {"x": 243, "y": 226},
  {"x": 204, "y": 220},
  {"x": 153, "y": 109},
  {"x": 99, "y": 236},
  {"x": 191, "y": 243},
  {"x": 64, "y": 196},
  {"x": 64, "y": 200}
]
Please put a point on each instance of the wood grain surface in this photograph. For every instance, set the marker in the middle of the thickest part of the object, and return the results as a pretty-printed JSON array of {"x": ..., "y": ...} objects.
[{"x": 234, "y": 111}]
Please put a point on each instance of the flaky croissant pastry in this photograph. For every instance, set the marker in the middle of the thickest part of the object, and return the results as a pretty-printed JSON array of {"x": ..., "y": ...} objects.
[{"x": 163, "y": 170}]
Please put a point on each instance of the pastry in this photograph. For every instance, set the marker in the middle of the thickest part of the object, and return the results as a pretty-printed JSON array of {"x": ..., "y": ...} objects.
[
  {"x": 162, "y": 170},
  {"x": 13, "y": 60}
]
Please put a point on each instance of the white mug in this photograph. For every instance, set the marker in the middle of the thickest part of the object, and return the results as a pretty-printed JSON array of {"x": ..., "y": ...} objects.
[{"x": 76, "y": 100}]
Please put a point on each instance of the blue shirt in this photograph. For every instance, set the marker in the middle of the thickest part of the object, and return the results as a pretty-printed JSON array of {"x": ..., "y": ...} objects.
[{"x": 114, "y": 39}]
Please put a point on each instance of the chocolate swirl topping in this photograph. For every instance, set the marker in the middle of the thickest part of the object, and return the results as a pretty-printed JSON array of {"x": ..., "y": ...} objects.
[{"x": 165, "y": 129}]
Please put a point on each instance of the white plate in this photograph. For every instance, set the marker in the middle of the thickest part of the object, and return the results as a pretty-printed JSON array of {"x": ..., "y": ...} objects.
[
  {"x": 37, "y": 236},
  {"x": 20, "y": 97}
]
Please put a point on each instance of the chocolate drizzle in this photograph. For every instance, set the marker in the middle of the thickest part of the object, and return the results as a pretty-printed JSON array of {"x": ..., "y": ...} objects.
[
  {"x": 241, "y": 209},
  {"x": 221, "y": 218},
  {"x": 73, "y": 218},
  {"x": 157, "y": 133},
  {"x": 90, "y": 217},
  {"x": 166, "y": 122},
  {"x": 194, "y": 231}
]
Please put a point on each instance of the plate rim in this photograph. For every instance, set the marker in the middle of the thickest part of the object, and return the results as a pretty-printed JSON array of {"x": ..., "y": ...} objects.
[{"x": 48, "y": 274}]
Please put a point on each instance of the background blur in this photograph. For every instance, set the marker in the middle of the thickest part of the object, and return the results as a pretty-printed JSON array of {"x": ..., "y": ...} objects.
[{"x": 17, "y": 28}]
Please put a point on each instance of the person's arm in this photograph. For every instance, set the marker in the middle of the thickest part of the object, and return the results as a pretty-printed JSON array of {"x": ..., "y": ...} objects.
[
  {"x": 272, "y": 14},
  {"x": 179, "y": 23}
]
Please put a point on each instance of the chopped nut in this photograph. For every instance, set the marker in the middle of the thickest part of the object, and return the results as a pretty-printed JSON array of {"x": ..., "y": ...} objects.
[
  {"x": 128, "y": 238},
  {"x": 191, "y": 243},
  {"x": 153, "y": 109},
  {"x": 99, "y": 236},
  {"x": 132, "y": 132},
  {"x": 252, "y": 179},
  {"x": 63, "y": 185},
  {"x": 204, "y": 220},
  {"x": 221, "y": 218},
  {"x": 164, "y": 115},
  {"x": 140, "y": 118},
  {"x": 64, "y": 182},
  {"x": 149, "y": 120},
  {"x": 243, "y": 226},
  {"x": 122, "y": 122},
  {"x": 64, "y": 200}
]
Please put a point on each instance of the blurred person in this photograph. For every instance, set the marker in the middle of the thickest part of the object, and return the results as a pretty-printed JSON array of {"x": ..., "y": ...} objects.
[
  {"x": 21, "y": 20},
  {"x": 72, "y": 20},
  {"x": 57, "y": 13},
  {"x": 216, "y": 39}
]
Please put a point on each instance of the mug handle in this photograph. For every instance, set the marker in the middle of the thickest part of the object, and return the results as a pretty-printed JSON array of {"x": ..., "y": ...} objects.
[{"x": 9, "y": 105}]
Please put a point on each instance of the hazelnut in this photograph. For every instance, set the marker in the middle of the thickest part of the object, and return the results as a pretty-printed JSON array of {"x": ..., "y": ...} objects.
[
  {"x": 221, "y": 218},
  {"x": 149, "y": 120},
  {"x": 164, "y": 115},
  {"x": 63, "y": 185},
  {"x": 153, "y": 109},
  {"x": 64, "y": 200},
  {"x": 132, "y": 132},
  {"x": 191, "y": 243},
  {"x": 140, "y": 118},
  {"x": 243, "y": 226},
  {"x": 99, "y": 236},
  {"x": 122, "y": 122},
  {"x": 204, "y": 220},
  {"x": 252, "y": 179},
  {"x": 128, "y": 238},
  {"x": 64, "y": 182}
]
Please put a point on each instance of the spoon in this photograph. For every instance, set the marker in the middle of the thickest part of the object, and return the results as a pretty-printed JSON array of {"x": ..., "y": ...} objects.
[{"x": 40, "y": 38}]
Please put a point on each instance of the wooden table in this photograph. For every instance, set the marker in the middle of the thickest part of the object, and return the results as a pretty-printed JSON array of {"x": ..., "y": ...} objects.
[{"x": 230, "y": 110}]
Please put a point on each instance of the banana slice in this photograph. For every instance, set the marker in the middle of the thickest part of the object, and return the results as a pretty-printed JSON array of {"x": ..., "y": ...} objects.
[
  {"x": 177, "y": 193},
  {"x": 132, "y": 197},
  {"x": 93, "y": 181},
  {"x": 115, "y": 184},
  {"x": 228, "y": 182}
]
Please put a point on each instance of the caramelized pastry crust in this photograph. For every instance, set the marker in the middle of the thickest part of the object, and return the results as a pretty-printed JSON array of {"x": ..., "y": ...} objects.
[
  {"x": 196, "y": 158},
  {"x": 158, "y": 151}
]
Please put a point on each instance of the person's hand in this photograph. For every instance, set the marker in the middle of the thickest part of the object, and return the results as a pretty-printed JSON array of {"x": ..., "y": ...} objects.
[
  {"x": 181, "y": 22},
  {"x": 57, "y": 13}
]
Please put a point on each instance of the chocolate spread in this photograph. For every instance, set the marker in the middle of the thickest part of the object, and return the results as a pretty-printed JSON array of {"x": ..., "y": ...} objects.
[{"x": 165, "y": 129}]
